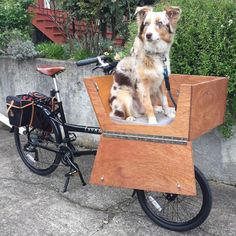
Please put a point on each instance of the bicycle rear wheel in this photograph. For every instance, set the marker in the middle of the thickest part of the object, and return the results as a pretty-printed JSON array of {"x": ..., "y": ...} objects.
[
  {"x": 176, "y": 212},
  {"x": 33, "y": 143}
]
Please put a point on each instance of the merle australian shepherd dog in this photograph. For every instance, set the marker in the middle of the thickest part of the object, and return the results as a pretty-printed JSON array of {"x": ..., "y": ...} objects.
[{"x": 138, "y": 79}]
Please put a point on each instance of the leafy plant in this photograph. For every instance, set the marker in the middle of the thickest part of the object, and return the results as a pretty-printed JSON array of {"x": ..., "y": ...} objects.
[
  {"x": 14, "y": 22},
  {"x": 13, "y": 15},
  {"x": 205, "y": 44},
  {"x": 63, "y": 52},
  {"x": 52, "y": 51},
  {"x": 21, "y": 49},
  {"x": 81, "y": 54},
  {"x": 10, "y": 35}
]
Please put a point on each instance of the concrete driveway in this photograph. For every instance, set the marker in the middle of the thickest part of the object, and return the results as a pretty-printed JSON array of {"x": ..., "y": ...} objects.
[{"x": 34, "y": 205}]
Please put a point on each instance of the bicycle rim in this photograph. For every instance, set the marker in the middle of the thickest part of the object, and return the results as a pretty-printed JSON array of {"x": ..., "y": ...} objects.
[
  {"x": 37, "y": 159},
  {"x": 177, "y": 212}
]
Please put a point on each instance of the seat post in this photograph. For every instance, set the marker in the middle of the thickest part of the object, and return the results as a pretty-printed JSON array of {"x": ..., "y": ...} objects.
[
  {"x": 63, "y": 118},
  {"x": 54, "y": 77}
]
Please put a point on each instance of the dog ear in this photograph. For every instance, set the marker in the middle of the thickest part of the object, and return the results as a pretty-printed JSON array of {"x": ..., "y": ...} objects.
[
  {"x": 141, "y": 12},
  {"x": 173, "y": 13}
]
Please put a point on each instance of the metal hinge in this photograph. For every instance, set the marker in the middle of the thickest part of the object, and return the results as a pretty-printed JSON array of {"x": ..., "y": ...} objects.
[{"x": 146, "y": 138}]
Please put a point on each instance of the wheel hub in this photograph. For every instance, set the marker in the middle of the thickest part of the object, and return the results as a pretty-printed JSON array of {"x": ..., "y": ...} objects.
[{"x": 170, "y": 196}]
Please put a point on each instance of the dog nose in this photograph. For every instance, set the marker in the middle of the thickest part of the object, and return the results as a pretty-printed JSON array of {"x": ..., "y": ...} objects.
[{"x": 149, "y": 35}]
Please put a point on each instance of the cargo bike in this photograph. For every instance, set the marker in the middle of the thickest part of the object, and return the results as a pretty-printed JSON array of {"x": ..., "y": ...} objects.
[{"x": 155, "y": 161}]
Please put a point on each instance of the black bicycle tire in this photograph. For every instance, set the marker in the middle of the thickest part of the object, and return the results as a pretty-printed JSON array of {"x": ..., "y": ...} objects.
[
  {"x": 57, "y": 160},
  {"x": 189, "y": 225}
]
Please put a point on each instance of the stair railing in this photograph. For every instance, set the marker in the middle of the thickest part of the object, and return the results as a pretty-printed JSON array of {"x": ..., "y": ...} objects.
[{"x": 54, "y": 14}]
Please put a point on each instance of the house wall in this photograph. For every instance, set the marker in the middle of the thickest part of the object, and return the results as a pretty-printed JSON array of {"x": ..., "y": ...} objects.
[{"x": 214, "y": 155}]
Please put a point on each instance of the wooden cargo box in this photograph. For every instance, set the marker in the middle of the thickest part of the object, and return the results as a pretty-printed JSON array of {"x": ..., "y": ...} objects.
[{"x": 152, "y": 157}]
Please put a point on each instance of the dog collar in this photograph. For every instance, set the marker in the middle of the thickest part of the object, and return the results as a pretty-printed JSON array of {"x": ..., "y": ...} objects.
[{"x": 161, "y": 55}]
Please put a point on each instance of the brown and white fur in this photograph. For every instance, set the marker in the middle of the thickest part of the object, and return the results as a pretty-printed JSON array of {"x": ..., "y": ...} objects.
[{"x": 138, "y": 79}]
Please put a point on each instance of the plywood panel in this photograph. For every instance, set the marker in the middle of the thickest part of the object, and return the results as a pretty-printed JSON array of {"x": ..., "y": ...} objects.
[
  {"x": 187, "y": 90},
  {"x": 176, "y": 80},
  {"x": 98, "y": 105},
  {"x": 104, "y": 91},
  {"x": 208, "y": 106},
  {"x": 178, "y": 128},
  {"x": 99, "y": 94},
  {"x": 144, "y": 165}
]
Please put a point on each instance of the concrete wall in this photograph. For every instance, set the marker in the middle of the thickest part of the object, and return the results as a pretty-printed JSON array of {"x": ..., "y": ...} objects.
[
  {"x": 215, "y": 156},
  {"x": 18, "y": 77}
]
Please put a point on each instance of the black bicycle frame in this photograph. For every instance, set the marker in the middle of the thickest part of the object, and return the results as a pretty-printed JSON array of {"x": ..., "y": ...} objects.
[
  {"x": 75, "y": 128},
  {"x": 67, "y": 128}
]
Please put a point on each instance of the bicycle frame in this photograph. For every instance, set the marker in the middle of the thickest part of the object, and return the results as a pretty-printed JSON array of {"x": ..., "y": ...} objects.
[{"x": 67, "y": 127}]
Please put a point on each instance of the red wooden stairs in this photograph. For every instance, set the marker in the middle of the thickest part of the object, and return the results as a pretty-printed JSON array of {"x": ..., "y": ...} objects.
[
  {"x": 49, "y": 22},
  {"x": 52, "y": 24}
]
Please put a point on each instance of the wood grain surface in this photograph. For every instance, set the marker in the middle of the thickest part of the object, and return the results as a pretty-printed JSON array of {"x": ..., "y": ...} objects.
[
  {"x": 198, "y": 98},
  {"x": 207, "y": 106},
  {"x": 144, "y": 165}
]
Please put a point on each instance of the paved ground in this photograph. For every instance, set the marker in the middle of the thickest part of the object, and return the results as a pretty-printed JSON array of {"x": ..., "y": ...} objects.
[{"x": 34, "y": 205}]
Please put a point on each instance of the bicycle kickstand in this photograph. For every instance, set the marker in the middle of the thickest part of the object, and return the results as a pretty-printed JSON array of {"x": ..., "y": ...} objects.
[{"x": 74, "y": 170}]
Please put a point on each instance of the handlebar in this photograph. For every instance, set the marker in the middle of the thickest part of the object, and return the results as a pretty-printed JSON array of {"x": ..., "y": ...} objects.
[
  {"x": 91, "y": 60},
  {"x": 103, "y": 62}
]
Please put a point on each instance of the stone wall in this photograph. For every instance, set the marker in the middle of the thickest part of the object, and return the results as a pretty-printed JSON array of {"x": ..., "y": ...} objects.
[{"x": 215, "y": 156}]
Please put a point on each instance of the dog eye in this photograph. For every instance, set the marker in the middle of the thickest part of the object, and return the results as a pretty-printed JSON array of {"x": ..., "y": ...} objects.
[
  {"x": 146, "y": 23},
  {"x": 159, "y": 23}
]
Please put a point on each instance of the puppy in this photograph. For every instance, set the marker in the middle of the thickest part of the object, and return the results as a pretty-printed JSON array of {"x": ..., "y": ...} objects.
[{"x": 138, "y": 79}]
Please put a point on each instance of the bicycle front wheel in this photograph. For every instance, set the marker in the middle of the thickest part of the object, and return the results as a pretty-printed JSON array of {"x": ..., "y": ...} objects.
[
  {"x": 177, "y": 212},
  {"x": 35, "y": 147}
]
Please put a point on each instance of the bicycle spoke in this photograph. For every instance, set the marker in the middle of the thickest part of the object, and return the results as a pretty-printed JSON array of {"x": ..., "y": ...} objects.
[
  {"x": 41, "y": 160},
  {"x": 178, "y": 212}
]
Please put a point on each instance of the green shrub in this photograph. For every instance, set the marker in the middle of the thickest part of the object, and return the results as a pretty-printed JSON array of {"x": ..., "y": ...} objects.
[
  {"x": 21, "y": 49},
  {"x": 13, "y": 15},
  {"x": 81, "y": 54},
  {"x": 74, "y": 51},
  {"x": 63, "y": 52},
  {"x": 14, "y": 22},
  {"x": 52, "y": 51},
  {"x": 11, "y": 35},
  {"x": 205, "y": 44}
]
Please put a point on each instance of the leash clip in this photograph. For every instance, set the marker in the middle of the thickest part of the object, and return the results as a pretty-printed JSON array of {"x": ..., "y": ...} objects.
[{"x": 163, "y": 58}]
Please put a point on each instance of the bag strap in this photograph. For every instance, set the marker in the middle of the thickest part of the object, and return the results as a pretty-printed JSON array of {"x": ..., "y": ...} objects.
[
  {"x": 54, "y": 101},
  {"x": 11, "y": 105},
  {"x": 32, "y": 115}
]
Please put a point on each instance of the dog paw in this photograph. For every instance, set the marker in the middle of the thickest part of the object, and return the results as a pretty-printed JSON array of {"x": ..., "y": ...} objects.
[
  {"x": 130, "y": 118},
  {"x": 152, "y": 121},
  {"x": 170, "y": 114}
]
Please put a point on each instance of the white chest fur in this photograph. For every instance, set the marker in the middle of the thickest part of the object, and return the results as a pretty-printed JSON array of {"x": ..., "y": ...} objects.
[{"x": 154, "y": 73}]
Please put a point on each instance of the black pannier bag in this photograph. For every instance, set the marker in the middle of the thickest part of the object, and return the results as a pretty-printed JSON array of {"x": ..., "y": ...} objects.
[
  {"x": 20, "y": 109},
  {"x": 50, "y": 103}
]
